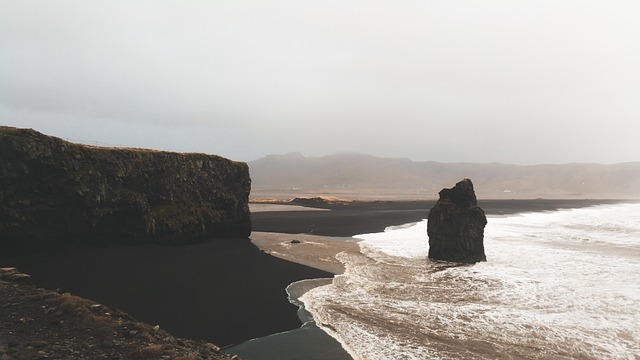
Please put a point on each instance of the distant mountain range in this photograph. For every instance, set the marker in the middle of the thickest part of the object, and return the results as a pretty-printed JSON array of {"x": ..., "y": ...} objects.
[{"x": 354, "y": 176}]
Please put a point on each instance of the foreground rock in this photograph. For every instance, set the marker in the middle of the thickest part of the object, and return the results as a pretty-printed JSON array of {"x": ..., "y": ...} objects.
[
  {"x": 54, "y": 193},
  {"x": 40, "y": 324},
  {"x": 456, "y": 225}
]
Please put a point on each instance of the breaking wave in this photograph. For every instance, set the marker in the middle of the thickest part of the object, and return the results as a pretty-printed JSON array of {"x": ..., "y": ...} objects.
[{"x": 560, "y": 285}]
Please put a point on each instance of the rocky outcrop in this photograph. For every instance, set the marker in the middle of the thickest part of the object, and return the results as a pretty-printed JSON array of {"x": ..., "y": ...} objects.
[
  {"x": 456, "y": 225},
  {"x": 318, "y": 201},
  {"x": 40, "y": 324},
  {"x": 54, "y": 193}
]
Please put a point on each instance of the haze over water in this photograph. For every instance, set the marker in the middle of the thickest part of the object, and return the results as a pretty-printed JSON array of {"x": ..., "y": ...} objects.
[{"x": 561, "y": 285}]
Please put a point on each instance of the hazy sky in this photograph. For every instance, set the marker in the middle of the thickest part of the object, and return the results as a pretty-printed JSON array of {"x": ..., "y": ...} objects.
[{"x": 512, "y": 81}]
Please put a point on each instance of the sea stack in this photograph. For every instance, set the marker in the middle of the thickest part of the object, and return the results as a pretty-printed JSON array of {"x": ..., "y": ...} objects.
[{"x": 456, "y": 225}]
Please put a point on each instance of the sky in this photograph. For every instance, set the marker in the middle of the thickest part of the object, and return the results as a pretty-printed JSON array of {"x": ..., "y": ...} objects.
[{"x": 519, "y": 82}]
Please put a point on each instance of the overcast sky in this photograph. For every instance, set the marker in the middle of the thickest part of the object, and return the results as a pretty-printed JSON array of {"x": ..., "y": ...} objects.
[{"x": 511, "y": 81}]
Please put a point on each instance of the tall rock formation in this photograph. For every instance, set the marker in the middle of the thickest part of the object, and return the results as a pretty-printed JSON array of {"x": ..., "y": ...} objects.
[
  {"x": 54, "y": 193},
  {"x": 456, "y": 225}
]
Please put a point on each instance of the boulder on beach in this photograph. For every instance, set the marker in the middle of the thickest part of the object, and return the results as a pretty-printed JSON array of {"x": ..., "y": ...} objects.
[{"x": 456, "y": 225}]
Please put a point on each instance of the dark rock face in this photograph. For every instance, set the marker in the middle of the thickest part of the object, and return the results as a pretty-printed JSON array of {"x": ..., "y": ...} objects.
[
  {"x": 54, "y": 193},
  {"x": 456, "y": 226}
]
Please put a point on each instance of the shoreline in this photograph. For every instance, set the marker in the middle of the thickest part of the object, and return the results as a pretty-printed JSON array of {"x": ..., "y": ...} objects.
[
  {"x": 310, "y": 341},
  {"x": 228, "y": 291},
  {"x": 315, "y": 251},
  {"x": 361, "y": 217},
  {"x": 278, "y": 244}
]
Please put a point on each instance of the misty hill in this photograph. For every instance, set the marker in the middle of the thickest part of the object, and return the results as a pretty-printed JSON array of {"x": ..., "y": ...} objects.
[{"x": 365, "y": 176}]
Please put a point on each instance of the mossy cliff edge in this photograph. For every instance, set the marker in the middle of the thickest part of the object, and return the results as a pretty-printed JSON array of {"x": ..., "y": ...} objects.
[{"x": 54, "y": 193}]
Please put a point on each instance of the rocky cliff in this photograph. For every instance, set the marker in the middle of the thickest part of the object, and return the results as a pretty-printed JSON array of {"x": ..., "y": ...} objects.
[
  {"x": 54, "y": 193},
  {"x": 456, "y": 225}
]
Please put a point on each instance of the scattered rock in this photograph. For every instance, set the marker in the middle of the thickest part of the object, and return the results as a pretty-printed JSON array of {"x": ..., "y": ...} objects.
[
  {"x": 80, "y": 332},
  {"x": 107, "y": 343},
  {"x": 294, "y": 242},
  {"x": 456, "y": 225},
  {"x": 12, "y": 274}
]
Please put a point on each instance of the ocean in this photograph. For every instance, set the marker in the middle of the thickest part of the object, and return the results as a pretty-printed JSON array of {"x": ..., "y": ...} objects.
[{"x": 556, "y": 285}]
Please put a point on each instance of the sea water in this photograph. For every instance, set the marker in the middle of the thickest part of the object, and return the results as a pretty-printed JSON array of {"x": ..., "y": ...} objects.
[
  {"x": 308, "y": 342},
  {"x": 556, "y": 285}
]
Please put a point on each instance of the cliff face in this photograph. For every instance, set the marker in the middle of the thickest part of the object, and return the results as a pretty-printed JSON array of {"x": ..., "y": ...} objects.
[{"x": 54, "y": 193}]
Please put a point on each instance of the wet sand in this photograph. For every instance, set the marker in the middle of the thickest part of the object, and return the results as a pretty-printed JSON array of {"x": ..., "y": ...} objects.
[{"x": 311, "y": 250}]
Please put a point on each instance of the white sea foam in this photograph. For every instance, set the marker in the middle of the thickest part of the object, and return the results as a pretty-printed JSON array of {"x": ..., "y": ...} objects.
[{"x": 560, "y": 284}]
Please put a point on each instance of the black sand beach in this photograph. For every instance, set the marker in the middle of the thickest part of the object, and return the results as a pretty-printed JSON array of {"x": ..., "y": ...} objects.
[
  {"x": 361, "y": 217},
  {"x": 226, "y": 290}
]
